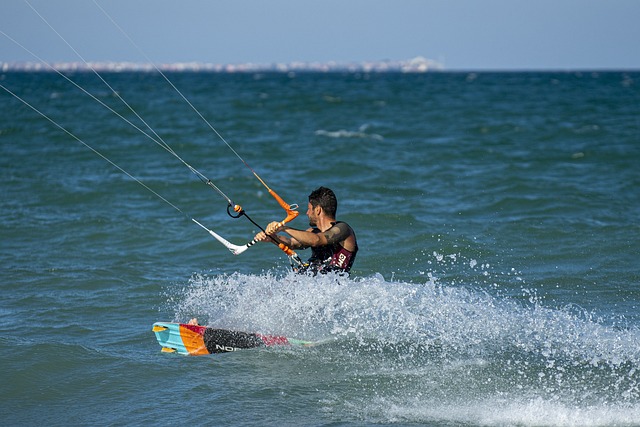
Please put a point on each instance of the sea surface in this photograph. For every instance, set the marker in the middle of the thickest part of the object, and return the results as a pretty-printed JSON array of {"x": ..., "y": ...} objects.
[{"x": 497, "y": 214}]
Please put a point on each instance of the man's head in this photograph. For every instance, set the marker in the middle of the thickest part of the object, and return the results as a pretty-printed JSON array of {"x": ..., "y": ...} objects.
[{"x": 326, "y": 199}]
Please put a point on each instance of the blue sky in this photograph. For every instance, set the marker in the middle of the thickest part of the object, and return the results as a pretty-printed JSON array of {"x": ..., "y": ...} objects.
[{"x": 461, "y": 34}]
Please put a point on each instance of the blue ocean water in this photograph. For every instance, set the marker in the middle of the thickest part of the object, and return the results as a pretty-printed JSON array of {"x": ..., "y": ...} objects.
[{"x": 497, "y": 216}]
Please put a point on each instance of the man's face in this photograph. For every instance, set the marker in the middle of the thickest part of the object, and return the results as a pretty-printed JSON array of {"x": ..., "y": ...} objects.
[{"x": 312, "y": 213}]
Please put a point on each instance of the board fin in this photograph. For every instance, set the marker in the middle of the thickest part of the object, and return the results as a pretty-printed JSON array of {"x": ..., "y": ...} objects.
[{"x": 158, "y": 328}]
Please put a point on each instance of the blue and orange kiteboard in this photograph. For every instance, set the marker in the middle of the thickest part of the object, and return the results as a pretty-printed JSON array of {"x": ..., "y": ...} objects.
[{"x": 196, "y": 340}]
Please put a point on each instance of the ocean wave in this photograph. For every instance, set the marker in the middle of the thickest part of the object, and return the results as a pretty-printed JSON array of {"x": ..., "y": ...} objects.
[{"x": 360, "y": 133}]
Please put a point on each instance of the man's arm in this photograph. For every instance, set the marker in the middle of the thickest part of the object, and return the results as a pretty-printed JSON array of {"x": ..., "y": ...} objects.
[
  {"x": 276, "y": 239},
  {"x": 335, "y": 234}
]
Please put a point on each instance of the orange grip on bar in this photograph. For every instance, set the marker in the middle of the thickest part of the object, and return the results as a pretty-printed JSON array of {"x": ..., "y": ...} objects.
[
  {"x": 291, "y": 214},
  {"x": 286, "y": 249},
  {"x": 282, "y": 203}
]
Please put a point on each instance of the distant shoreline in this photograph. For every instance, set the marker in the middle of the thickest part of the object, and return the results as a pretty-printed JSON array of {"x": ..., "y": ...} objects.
[
  {"x": 296, "y": 67},
  {"x": 415, "y": 65}
]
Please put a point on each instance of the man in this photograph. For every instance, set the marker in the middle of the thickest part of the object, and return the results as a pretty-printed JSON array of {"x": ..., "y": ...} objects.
[{"x": 333, "y": 243}]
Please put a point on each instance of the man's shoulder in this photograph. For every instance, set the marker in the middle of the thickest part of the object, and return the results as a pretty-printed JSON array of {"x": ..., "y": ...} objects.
[
  {"x": 341, "y": 224},
  {"x": 343, "y": 228}
]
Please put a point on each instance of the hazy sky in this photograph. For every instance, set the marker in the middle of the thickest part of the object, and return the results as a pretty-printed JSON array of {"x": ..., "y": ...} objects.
[{"x": 461, "y": 34}]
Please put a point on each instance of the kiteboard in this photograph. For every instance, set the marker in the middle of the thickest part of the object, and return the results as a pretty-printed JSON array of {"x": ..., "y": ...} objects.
[{"x": 196, "y": 340}]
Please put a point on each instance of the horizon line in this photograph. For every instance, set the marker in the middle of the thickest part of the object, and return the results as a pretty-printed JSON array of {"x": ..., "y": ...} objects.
[{"x": 415, "y": 65}]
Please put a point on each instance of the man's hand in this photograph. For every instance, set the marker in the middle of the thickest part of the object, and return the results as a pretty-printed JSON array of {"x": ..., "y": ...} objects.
[
  {"x": 261, "y": 237},
  {"x": 273, "y": 228},
  {"x": 271, "y": 231}
]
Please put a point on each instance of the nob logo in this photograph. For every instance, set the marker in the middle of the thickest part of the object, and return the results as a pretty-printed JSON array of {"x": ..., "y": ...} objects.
[{"x": 225, "y": 348}]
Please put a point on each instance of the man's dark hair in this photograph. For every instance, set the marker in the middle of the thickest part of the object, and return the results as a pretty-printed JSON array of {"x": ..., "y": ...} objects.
[{"x": 326, "y": 199}]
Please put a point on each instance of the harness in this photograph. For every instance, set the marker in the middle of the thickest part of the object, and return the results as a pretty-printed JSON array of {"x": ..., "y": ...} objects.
[{"x": 333, "y": 257}]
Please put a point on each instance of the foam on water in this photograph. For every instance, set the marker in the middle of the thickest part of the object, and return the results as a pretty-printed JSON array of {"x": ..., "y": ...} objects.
[
  {"x": 436, "y": 351},
  {"x": 502, "y": 411}
]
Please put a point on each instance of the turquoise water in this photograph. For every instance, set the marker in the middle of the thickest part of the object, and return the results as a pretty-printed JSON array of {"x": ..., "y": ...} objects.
[{"x": 497, "y": 281}]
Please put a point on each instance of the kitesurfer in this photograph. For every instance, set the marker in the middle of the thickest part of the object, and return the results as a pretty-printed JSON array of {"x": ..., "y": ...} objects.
[{"x": 333, "y": 243}]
